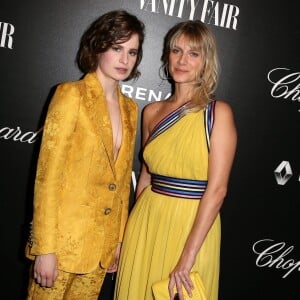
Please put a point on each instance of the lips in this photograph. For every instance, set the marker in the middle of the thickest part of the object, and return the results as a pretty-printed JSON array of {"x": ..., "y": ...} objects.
[
  {"x": 180, "y": 71},
  {"x": 122, "y": 70}
]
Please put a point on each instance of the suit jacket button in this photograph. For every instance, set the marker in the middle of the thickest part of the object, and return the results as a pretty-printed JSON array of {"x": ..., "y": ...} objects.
[
  {"x": 107, "y": 211},
  {"x": 112, "y": 187}
]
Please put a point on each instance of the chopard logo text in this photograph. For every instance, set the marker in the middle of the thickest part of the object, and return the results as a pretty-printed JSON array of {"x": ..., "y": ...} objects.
[
  {"x": 18, "y": 135},
  {"x": 286, "y": 84},
  {"x": 275, "y": 255}
]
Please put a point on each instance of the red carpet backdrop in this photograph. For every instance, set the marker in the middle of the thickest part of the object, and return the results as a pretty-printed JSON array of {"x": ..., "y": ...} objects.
[{"x": 260, "y": 78}]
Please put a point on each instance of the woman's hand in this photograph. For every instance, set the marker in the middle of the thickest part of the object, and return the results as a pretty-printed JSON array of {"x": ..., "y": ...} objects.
[
  {"x": 45, "y": 270},
  {"x": 114, "y": 267},
  {"x": 180, "y": 277}
]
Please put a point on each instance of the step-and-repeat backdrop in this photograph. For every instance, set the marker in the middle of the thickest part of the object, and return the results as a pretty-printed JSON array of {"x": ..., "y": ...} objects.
[{"x": 260, "y": 78}]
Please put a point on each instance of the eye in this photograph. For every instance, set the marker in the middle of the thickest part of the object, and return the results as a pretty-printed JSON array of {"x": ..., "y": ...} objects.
[
  {"x": 194, "y": 54},
  {"x": 116, "y": 48},
  {"x": 175, "y": 50},
  {"x": 133, "y": 52}
]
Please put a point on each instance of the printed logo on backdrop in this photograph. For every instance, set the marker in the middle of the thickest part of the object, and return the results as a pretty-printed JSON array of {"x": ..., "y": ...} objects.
[
  {"x": 286, "y": 84},
  {"x": 208, "y": 11},
  {"x": 6, "y": 35},
  {"x": 283, "y": 173},
  {"x": 276, "y": 255},
  {"x": 19, "y": 135},
  {"x": 143, "y": 94}
]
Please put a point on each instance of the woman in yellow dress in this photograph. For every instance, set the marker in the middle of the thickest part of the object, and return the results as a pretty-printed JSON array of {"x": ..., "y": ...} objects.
[{"x": 189, "y": 143}]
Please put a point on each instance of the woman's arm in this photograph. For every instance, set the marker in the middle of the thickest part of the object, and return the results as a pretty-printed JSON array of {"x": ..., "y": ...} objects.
[
  {"x": 144, "y": 180},
  {"x": 145, "y": 177},
  {"x": 59, "y": 127},
  {"x": 223, "y": 145}
]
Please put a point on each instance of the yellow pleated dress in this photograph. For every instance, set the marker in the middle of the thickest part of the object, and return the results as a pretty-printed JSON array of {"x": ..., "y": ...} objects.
[{"x": 159, "y": 224}]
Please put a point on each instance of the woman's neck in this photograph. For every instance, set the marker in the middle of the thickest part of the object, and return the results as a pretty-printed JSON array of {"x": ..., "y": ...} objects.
[
  {"x": 183, "y": 93},
  {"x": 109, "y": 86}
]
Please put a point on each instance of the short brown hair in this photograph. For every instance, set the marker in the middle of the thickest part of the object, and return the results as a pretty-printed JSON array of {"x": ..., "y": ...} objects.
[{"x": 114, "y": 27}]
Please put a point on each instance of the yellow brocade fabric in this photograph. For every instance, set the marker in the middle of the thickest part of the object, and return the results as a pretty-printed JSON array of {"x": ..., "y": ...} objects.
[
  {"x": 159, "y": 224},
  {"x": 81, "y": 194},
  {"x": 69, "y": 286}
]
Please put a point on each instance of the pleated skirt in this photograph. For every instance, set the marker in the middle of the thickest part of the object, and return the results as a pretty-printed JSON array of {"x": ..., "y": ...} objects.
[{"x": 155, "y": 235}]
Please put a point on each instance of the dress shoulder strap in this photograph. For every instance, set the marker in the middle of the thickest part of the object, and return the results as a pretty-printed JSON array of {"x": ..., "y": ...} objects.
[{"x": 209, "y": 117}]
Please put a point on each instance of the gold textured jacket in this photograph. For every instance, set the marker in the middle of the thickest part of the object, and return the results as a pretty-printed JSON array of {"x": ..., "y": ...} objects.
[{"x": 81, "y": 195}]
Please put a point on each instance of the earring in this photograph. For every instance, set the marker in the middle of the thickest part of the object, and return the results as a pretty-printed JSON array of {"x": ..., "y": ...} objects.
[
  {"x": 199, "y": 78},
  {"x": 164, "y": 72},
  {"x": 199, "y": 81}
]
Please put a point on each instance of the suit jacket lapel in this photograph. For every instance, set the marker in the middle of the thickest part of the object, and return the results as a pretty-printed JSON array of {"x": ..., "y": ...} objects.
[
  {"x": 126, "y": 128},
  {"x": 99, "y": 115}
]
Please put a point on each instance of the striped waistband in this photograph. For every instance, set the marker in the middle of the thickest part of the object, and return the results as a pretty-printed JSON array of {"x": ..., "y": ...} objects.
[{"x": 178, "y": 187}]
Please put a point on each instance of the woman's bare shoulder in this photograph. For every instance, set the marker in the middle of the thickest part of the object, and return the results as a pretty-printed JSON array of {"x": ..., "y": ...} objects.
[
  {"x": 153, "y": 108},
  {"x": 223, "y": 107}
]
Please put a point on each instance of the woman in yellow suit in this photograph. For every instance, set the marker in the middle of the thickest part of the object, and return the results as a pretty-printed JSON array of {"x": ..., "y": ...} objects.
[{"x": 84, "y": 169}]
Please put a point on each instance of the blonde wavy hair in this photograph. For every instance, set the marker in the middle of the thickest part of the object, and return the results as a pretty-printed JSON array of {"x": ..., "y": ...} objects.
[{"x": 200, "y": 39}]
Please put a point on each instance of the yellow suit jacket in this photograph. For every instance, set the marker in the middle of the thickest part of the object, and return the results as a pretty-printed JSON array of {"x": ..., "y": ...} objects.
[{"x": 81, "y": 195}]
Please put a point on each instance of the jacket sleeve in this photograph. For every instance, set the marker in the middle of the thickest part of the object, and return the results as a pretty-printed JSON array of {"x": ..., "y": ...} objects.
[{"x": 56, "y": 141}]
